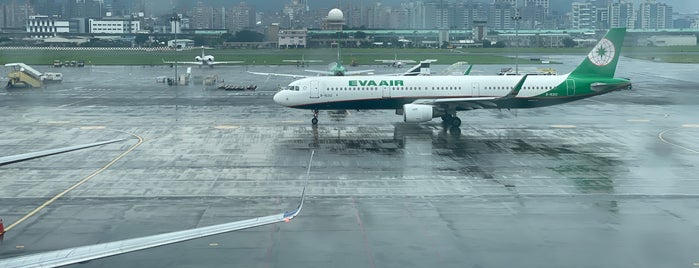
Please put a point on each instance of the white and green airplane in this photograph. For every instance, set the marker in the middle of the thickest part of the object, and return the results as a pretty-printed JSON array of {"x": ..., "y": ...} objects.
[{"x": 422, "y": 98}]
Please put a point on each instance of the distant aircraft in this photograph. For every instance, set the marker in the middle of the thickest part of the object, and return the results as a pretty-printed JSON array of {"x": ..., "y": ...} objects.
[
  {"x": 203, "y": 60},
  {"x": 302, "y": 62},
  {"x": 420, "y": 99},
  {"x": 423, "y": 68},
  {"x": 63, "y": 257},
  {"x": 395, "y": 62}
]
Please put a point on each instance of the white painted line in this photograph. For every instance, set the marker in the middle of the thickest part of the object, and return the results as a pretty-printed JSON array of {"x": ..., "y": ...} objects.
[
  {"x": 563, "y": 126},
  {"x": 638, "y": 120},
  {"x": 226, "y": 127},
  {"x": 92, "y": 127},
  {"x": 57, "y": 122},
  {"x": 292, "y": 122},
  {"x": 660, "y": 136},
  {"x": 691, "y": 126}
]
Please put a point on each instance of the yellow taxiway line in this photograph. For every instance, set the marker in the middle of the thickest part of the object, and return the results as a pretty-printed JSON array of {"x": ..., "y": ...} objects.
[{"x": 45, "y": 204}]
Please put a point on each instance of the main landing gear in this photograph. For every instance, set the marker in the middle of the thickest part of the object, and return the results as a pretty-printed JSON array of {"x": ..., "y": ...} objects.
[
  {"x": 451, "y": 121},
  {"x": 314, "y": 121}
]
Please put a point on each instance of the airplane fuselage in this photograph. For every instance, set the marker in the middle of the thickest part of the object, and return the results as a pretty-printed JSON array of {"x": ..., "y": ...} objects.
[{"x": 392, "y": 92}]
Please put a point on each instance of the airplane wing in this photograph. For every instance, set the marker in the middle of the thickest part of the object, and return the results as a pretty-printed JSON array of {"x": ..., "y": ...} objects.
[
  {"x": 473, "y": 102},
  {"x": 225, "y": 62},
  {"x": 74, "y": 255},
  {"x": 29, "y": 156},
  {"x": 320, "y": 72},
  {"x": 359, "y": 72},
  {"x": 278, "y": 74},
  {"x": 302, "y": 61},
  {"x": 394, "y": 61},
  {"x": 184, "y": 62}
]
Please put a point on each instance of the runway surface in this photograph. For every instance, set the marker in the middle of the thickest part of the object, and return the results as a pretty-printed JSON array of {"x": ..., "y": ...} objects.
[{"x": 606, "y": 182}]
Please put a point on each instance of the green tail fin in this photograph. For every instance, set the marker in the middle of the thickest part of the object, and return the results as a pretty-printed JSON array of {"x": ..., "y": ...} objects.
[{"x": 602, "y": 60}]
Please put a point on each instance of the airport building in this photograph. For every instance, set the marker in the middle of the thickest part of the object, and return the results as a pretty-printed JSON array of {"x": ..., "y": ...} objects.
[
  {"x": 41, "y": 26},
  {"x": 114, "y": 26},
  {"x": 293, "y": 38}
]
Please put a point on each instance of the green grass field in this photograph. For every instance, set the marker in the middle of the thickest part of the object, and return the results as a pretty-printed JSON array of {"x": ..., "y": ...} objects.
[{"x": 367, "y": 56}]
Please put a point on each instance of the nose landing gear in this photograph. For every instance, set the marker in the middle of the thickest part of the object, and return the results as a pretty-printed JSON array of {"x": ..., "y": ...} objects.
[{"x": 314, "y": 121}]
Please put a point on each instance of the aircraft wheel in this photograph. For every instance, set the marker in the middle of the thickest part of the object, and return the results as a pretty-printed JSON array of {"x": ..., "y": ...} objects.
[
  {"x": 314, "y": 121},
  {"x": 455, "y": 131},
  {"x": 446, "y": 119},
  {"x": 455, "y": 122}
]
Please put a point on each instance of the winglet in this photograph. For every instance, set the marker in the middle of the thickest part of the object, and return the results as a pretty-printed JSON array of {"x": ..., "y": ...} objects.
[
  {"x": 517, "y": 87},
  {"x": 288, "y": 215},
  {"x": 468, "y": 71}
]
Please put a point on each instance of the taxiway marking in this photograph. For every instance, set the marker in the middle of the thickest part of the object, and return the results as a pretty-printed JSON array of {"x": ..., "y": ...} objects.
[
  {"x": 563, "y": 126},
  {"x": 84, "y": 180},
  {"x": 226, "y": 127},
  {"x": 660, "y": 136},
  {"x": 92, "y": 127},
  {"x": 638, "y": 120}
]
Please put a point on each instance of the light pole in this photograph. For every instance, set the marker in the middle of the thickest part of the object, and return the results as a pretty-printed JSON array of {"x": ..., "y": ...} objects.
[
  {"x": 175, "y": 19},
  {"x": 516, "y": 18}
]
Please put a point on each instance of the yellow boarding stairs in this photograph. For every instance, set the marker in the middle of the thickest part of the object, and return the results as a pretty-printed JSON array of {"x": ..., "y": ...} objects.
[{"x": 23, "y": 75}]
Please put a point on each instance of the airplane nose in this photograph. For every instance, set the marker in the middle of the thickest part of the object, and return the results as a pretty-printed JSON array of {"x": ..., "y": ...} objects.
[{"x": 279, "y": 97}]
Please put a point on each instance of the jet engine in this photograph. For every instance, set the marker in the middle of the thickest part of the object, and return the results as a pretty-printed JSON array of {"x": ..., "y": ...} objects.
[
  {"x": 415, "y": 113},
  {"x": 208, "y": 58}
]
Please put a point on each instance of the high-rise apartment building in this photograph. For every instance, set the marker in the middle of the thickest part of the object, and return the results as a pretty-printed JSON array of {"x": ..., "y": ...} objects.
[
  {"x": 240, "y": 17},
  {"x": 652, "y": 15},
  {"x": 14, "y": 14},
  {"x": 584, "y": 15},
  {"x": 622, "y": 15},
  {"x": 201, "y": 16},
  {"x": 500, "y": 15}
]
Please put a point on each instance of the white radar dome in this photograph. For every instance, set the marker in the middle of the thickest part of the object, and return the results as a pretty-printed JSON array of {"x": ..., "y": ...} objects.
[{"x": 336, "y": 15}]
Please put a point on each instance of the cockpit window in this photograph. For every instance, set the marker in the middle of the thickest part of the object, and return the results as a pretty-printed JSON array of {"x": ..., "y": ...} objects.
[{"x": 294, "y": 88}]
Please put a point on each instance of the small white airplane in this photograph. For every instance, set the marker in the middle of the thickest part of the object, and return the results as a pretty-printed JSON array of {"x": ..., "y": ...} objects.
[
  {"x": 395, "y": 62},
  {"x": 302, "y": 62},
  {"x": 203, "y": 60},
  {"x": 422, "y": 98}
]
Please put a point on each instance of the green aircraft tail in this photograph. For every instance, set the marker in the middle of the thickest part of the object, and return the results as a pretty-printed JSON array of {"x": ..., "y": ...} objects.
[{"x": 602, "y": 60}]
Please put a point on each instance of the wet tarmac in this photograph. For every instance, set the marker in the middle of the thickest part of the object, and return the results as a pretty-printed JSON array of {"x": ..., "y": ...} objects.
[{"x": 605, "y": 182}]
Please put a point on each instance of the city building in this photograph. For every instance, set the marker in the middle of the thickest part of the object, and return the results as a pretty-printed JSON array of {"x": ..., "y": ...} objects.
[
  {"x": 654, "y": 16},
  {"x": 201, "y": 16},
  {"x": 334, "y": 21},
  {"x": 500, "y": 15},
  {"x": 241, "y": 16},
  {"x": 114, "y": 25},
  {"x": 14, "y": 14},
  {"x": 42, "y": 26},
  {"x": 584, "y": 15},
  {"x": 293, "y": 38},
  {"x": 622, "y": 15}
]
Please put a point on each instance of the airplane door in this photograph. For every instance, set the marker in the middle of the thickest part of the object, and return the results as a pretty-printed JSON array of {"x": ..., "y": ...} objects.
[
  {"x": 315, "y": 89},
  {"x": 385, "y": 92},
  {"x": 475, "y": 89},
  {"x": 570, "y": 84}
]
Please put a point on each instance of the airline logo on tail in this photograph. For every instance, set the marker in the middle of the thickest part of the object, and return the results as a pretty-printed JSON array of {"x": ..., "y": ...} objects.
[{"x": 603, "y": 53}]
